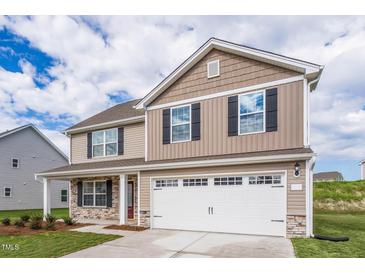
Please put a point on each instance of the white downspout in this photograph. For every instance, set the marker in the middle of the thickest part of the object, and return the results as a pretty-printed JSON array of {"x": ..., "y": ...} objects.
[{"x": 309, "y": 168}]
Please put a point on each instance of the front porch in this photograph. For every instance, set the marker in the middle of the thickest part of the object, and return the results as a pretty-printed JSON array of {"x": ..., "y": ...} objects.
[{"x": 101, "y": 199}]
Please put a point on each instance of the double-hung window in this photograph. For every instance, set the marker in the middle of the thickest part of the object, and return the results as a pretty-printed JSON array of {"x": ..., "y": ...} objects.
[
  {"x": 15, "y": 162},
  {"x": 7, "y": 192},
  {"x": 94, "y": 194},
  {"x": 251, "y": 112},
  {"x": 64, "y": 196},
  {"x": 181, "y": 124},
  {"x": 105, "y": 142}
]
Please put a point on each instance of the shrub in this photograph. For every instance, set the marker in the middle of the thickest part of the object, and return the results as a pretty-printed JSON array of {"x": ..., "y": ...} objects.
[
  {"x": 50, "y": 221},
  {"x": 19, "y": 223},
  {"x": 5, "y": 221},
  {"x": 50, "y": 226},
  {"x": 69, "y": 220},
  {"x": 36, "y": 221},
  {"x": 25, "y": 217}
]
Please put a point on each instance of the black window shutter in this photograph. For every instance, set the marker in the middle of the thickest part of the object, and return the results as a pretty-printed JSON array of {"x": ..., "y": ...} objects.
[
  {"x": 195, "y": 122},
  {"x": 271, "y": 109},
  {"x": 166, "y": 126},
  {"x": 89, "y": 145},
  {"x": 79, "y": 193},
  {"x": 121, "y": 141},
  {"x": 109, "y": 193},
  {"x": 233, "y": 115}
]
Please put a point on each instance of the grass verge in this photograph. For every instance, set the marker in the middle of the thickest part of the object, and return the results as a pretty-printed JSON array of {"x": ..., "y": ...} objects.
[{"x": 50, "y": 244}]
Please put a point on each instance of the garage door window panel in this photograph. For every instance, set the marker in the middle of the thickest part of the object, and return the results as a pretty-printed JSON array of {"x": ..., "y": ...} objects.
[
  {"x": 195, "y": 182},
  {"x": 231, "y": 181},
  {"x": 264, "y": 180},
  {"x": 166, "y": 183}
]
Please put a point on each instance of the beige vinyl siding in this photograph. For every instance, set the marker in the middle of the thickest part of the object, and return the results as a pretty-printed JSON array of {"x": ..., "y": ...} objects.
[
  {"x": 235, "y": 72},
  {"x": 133, "y": 145},
  {"x": 214, "y": 138},
  {"x": 363, "y": 171},
  {"x": 295, "y": 199}
]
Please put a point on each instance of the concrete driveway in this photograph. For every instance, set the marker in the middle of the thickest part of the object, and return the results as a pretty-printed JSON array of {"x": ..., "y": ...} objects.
[{"x": 158, "y": 243}]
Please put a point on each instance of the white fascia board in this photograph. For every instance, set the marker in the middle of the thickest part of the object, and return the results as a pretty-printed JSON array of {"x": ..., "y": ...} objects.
[
  {"x": 279, "y": 60},
  {"x": 190, "y": 164},
  {"x": 230, "y": 92},
  {"x": 126, "y": 121}
]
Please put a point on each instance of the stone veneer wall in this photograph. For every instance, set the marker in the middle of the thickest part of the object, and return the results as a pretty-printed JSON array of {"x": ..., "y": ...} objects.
[
  {"x": 107, "y": 213},
  {"x": 295, "y": 226}
]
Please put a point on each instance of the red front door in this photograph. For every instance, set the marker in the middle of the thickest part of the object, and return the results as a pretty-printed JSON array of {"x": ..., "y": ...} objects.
[{"x": 130, "y": 200}]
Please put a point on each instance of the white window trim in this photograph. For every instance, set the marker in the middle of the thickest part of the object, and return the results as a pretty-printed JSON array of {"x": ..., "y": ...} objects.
[
  {"x": 66, "y": 195},
  {"x": 12, "y": 162},
  {"x": 215, "y": 75},
  {"x": 264, "y": 112},
  {"x": 104, "y": 144},
  {"x": 94, "y": 194},
  {"x": 185, "y": 123},
  {"x": 11, "y": 192}
]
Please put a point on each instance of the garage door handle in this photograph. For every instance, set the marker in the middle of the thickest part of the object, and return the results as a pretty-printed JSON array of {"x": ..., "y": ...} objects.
[
  {"x": 277, "y": 186},
  {"x": 157, "y": 216},
  {"x": 278, "y": 221},
  {"x": 157, "y": 189}
]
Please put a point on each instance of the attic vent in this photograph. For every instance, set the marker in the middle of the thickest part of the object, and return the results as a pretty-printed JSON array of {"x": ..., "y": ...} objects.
[{"x": 213, "y": 68}]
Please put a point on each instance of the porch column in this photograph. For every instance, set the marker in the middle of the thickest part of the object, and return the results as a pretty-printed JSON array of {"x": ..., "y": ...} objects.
[
  {"x": 46, "y": 196},
  {"x": 122, "y": 200}
]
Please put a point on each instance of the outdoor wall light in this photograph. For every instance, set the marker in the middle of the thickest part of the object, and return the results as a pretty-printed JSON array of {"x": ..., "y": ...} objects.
[{"x": 297, "y": 169}]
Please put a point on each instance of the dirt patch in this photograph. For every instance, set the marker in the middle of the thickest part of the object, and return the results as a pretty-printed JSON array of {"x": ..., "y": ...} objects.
[
  {"x": 340, "y": 206},
  {"x": 126, "y": 227},
  {"x": 12, "y": 230}
]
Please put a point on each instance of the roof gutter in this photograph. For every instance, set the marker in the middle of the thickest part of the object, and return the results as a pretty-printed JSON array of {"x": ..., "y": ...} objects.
[{"x": 126, "y": 121}]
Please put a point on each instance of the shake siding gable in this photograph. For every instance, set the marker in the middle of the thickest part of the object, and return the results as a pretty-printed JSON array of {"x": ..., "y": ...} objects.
[{"x": 235, "y": 72}]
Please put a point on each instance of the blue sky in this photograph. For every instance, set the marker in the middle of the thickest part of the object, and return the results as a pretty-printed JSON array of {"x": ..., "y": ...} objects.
[{"x": 56, "y": 71}]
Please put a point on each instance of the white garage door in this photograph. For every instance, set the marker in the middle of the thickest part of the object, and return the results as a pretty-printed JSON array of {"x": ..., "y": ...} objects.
[{"x": 247, "y": 204}]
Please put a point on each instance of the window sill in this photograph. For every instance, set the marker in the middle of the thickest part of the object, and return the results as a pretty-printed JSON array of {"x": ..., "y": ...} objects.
[{"x": 250, "y": 133}]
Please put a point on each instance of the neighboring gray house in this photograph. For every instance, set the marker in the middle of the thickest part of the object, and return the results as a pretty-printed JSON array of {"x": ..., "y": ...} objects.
[
  {"x": 23, "y": 152},
  {"x": 362, "y": 169},
  {"x": 330, "y": 176}
]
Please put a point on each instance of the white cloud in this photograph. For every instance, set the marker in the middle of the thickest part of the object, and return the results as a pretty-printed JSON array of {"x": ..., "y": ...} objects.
[{"x": 104, "y": 55}]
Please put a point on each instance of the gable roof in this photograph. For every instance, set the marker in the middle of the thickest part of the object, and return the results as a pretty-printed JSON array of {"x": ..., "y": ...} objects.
[
  {"x": 14, "y": 130},
  {"x": 119, "y": 114},
  {"x": 310, "y": 70},
  {"x": 330, "y": 175}
]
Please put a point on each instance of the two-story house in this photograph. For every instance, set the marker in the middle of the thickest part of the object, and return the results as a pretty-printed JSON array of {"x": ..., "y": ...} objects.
[
  {"x": 23, "y": 151},
  {"x": 221, "y": 144}
]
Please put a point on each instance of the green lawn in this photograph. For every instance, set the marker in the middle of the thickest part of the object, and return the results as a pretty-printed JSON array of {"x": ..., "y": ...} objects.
[
  {"x": 334, "y": 224},
  {"x": 13, "y": 214},
  {"x": 339, "y": 211},
  {"x": 49, "y": 244}
]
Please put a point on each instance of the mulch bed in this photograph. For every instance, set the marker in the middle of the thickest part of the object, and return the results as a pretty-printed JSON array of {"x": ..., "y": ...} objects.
[
  {"x": 12, "y": 230},
  {"x": 126, "y": 227}
]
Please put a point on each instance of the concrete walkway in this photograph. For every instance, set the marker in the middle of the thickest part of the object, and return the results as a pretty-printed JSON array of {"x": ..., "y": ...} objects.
[{"x": 158, "y": 243}]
